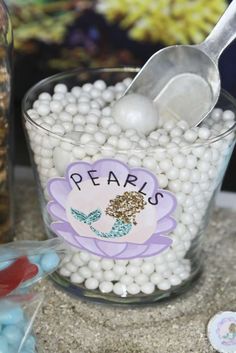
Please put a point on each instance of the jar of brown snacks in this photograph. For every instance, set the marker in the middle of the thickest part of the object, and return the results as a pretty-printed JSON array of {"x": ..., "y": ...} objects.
[{"x": 5, "y": 125}]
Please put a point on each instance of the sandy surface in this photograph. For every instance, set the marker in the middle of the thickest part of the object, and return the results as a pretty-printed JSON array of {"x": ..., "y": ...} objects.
[{"x": 68, "y": 325}]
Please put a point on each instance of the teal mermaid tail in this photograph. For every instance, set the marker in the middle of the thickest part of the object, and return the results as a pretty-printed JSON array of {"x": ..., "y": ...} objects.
[
  {"x": 87, "y": 219},
  {"x": 119, "y": 228}
]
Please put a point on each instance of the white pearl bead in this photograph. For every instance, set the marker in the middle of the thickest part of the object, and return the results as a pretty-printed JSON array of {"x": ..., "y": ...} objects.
[
  {"x": 85, "y": 138},
  {"x": 65, "y": 116},
  {"x": 134, "y": 161},
  {"x": 114, "y": 129},
  {"x": 124, "y": 143},
  {"x": 76, "y": 260},
  {"x": 175, "y": 185},
  {"x": 147, "y": 268},
  {"x": 179, "y": 161},
  {"x": 106, "y": 287},
  {"x": 91, "y": 283},
  {"x": 109, "y": 276},
  {"x": 79, "y": 119},
  {"x": 87, "y": 87},
  {"x": 169, "y": 125},
  {"x": 204, "y": 133},
  {"x": 135, "y": 111},
  {"x": 120, "y": 289},
  {"x": 156, "y": 278},
  {"x": 190, "y": 136},
  {"x": 173, "y": 173},
  {"x": 150, "y": 163},
  {"x": 43, "y": 109},
  {"x": 216, "y": 114},
  {"x": 70, "y": 267},
  {"x": 108, "y": 95},
  {"x": 85, "y": 257},
  {"x": 165, "y": 165},
  {"x": 98, "y": 275},
  {"x": 141, "y": 279},
  {"x": 148, "y": 288},
  {"x": 91, "y": 118},
  {"x": 55, "y": 106},
  {"x": 187, "y": 187},
  {"x": 175, "y": 280},
  {"x": 100, "y": 84},
  {"x": 107, "y": 264},
  {"x": 228, "y": 115},
  {"x": 58, "y": 96},
  {"x": 78, "y": 152},
  {"x": 184, "y": 174},
  {"x": 105, "y": 122},
  {"x": 71, "y": 109},
  {"x": 133, "y": 270},
  {"x": 76, "y": 91},
  {"x": 176, "y": 132},
  {"x": 64, "y": 272},
  {"x": 94, "y": 265},
  {"x": 76, "y": 278},
  {"x": 83, "y": 108},
  {"x": 60, "y": 88},
  {"x": 126, "y": 279},
  {"x": 106, "y": 112},
  {"x": 133, "y": 289},
  {"x": 164, "y": 285},
  {"x": 45, "y": 96},
  {"x": 119, "y": 270},
  {"x": 91, "y": 128},
  {"x": 84, "y": 272},
  {"x": 163, "y": 180}
]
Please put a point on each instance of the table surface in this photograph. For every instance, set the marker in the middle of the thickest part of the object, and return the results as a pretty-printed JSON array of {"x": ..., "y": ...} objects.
[{"x": 68, "y": 325}]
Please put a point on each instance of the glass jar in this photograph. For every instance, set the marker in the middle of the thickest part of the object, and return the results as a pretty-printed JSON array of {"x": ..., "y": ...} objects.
[
  {"x": 6, "y": 40},
  {"x": 133, "y": 208}
]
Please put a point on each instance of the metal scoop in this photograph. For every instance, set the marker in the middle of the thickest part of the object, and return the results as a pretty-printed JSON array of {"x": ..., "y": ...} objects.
[{"x": 184, "y": 80}]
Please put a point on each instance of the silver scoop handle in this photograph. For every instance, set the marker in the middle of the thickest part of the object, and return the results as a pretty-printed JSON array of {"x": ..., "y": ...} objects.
[{"x": 222, "y": 34}]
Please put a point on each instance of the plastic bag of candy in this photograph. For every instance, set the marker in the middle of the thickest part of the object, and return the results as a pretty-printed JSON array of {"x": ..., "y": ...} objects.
[
  {"x": 17, "y": 315},
  {"x": 23, "y": 263}
]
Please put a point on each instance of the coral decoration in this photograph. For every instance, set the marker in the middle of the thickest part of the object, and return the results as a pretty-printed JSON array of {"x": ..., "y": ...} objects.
[{"x": 166, "y": 21}]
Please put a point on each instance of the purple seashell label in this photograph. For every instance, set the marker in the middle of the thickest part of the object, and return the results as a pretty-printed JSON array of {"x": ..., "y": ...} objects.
[{"x": 111, "y": 210}]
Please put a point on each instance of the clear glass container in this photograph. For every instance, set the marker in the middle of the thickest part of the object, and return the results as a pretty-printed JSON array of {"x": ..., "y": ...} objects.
[
  {"x": 134, "y": 215},
  {"x": 6, "y": 214}
]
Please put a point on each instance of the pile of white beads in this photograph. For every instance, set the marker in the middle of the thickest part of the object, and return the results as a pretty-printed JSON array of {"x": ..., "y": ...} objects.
[{"x": 78, "y": 125}]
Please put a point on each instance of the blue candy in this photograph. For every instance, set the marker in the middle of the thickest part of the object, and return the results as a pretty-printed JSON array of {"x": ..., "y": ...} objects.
[
  {"x": 13, "y": 334},
  {"x": 34, "y": 259},
  {"x": 4, "y": 347},
  {"x": 50, "y": 261},
  {"x": 30, "y": 343},
  {"x": 10, "y": 313}
]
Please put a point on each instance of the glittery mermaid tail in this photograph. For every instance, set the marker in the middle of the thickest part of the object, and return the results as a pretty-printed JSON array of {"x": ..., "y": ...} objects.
[
  {"x": 87, "y": 219},
  {"x": 119, "y": 229}
]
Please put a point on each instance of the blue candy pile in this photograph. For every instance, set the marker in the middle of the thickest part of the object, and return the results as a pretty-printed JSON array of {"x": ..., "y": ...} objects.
[
  {"x": 13, "y": 326},
  {"x": 46, "y": 263}
]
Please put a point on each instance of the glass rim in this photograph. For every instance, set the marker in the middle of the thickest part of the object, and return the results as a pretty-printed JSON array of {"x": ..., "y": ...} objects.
[{"x": 127, "y": 69}]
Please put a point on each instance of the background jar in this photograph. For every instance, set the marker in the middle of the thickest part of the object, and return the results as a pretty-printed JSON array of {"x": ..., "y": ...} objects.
[
  {"x": 192, "y": 171},
  {"x": 6, "y": 120}
]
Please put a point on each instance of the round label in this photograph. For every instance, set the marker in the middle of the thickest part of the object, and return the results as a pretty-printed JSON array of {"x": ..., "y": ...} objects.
[
  {"x": 111, "y": 210},
  {"x": 221, "y": 332}
]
